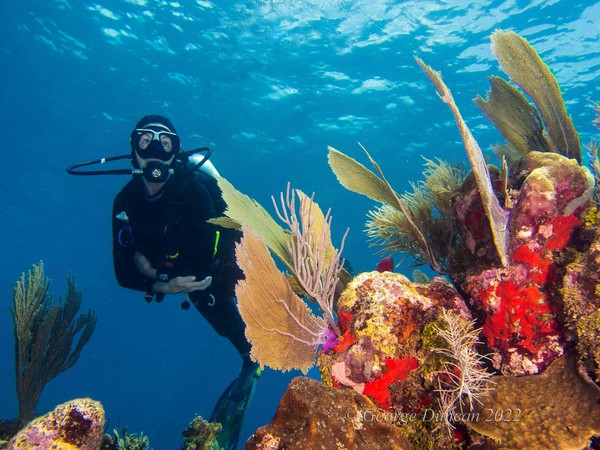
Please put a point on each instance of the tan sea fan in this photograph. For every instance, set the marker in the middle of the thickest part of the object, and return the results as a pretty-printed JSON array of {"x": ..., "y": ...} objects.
[
  {"x": 523, "y": 65},
  {"x": 497, "y": 216},
  {"x": 283, "y": 331},
  {"x": 514, "y": 117}
]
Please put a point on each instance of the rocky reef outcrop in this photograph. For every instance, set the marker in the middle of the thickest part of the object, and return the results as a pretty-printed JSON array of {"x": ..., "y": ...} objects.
[
  {"x": 470, "y": 359},
  {"x": 519, "y": 305},
  {"x": 74, "y": 425},
  {"x": 312, "y": 416}
]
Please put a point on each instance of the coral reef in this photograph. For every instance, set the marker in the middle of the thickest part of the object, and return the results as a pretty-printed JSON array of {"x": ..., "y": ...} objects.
[
  {"x": 400, "y": 346},
  {"x": 201, "y": 435},
  {"x": 520, "y": 245},
  {"x": 313, "y": 416},
  {"x": 546, "y": 194},
  {"x": 48, "y": 338},
  {"x": 517, "y": 222},
  {"x": 75, "y": 425},
  {"x": 519, "y": 304}
]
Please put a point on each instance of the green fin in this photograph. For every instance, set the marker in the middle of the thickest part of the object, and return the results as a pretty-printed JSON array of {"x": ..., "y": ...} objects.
[{"x": 231, "y": 407}]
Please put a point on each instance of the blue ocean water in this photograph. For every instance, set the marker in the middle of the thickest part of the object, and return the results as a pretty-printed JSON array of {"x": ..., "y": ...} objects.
[{"x": 268, "y": 85}]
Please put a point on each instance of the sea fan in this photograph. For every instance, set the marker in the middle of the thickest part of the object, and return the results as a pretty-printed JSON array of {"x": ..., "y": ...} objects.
[
  {"x": 281, "y": 327},
  {"x": 283, "y": 331}
]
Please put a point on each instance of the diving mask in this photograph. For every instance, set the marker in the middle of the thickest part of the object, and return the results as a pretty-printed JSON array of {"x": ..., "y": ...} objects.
[{"x": 155, "y": 141}]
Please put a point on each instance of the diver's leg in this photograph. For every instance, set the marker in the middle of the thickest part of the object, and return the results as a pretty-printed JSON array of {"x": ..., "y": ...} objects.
[
  {"x": 225, "y": 318},
  {"x": 232, "y": 405}
]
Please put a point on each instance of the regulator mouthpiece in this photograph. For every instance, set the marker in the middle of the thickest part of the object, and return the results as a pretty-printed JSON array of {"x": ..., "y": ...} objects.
[{"x": 156, "y": 172}]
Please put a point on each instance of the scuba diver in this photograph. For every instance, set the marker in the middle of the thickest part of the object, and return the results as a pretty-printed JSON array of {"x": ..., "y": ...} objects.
[{"x": 163, "y": 244}]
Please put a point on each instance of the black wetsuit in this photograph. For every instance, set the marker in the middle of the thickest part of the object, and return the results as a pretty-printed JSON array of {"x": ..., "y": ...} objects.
[{"x": 172, "y": 232}]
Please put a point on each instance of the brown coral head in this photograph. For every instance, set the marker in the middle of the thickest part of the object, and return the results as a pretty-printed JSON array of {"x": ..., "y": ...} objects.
[
  {"x": 557, "y": 409},
  {"x": 311, "y": 416}
]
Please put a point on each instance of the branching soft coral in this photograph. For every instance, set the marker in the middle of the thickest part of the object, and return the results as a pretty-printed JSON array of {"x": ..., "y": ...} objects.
[
  {"x": 48, "y": 337},
  {"x": 317, "y": 264},
  {"x": 430, "y": 203},
  {"x": 464, "y": 378}
]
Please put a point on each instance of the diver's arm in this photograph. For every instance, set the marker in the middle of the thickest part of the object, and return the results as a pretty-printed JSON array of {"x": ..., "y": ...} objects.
[{"x": 143, "y": 265}]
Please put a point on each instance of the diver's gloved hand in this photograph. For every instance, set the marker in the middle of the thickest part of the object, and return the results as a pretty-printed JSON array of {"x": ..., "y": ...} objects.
[{"x": 182, "y": 284}]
